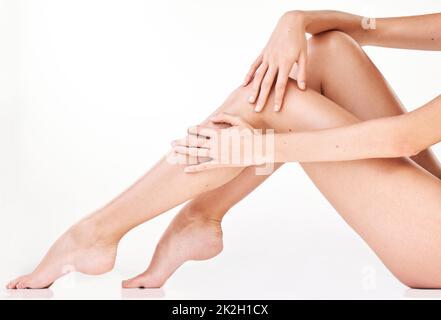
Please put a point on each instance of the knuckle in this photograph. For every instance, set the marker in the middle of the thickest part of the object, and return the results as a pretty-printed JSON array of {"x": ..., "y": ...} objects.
[{"x": 286, "y": 63}]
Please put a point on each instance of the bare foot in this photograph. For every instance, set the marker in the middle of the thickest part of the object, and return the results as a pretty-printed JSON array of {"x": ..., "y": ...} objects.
[
  {"x": 188, "y": 237},
  {"x": 79, "y": 249}
]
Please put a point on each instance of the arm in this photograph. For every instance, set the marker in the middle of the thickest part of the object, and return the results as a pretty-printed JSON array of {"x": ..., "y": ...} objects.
[
  {"x": 399, "y": 136},
  {"x": 287, "y": 45},
  {"x": 422, "y": 32},
  {"x": 403, "y": 135}
]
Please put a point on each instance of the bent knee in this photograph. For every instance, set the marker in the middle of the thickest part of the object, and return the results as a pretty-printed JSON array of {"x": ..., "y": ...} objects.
[
  {"x": 237, "y": 103},
  {"x": 331, "y": 44}
]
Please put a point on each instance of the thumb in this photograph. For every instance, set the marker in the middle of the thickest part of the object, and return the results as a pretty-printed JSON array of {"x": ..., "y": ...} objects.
[{"x": 226, "y": 118}]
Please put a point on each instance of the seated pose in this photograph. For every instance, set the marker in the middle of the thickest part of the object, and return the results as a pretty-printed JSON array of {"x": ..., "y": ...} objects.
[{"x": 340, "y": 120}]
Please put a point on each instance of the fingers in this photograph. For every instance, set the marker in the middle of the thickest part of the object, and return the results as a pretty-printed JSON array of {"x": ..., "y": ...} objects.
[
  {"x": 191, "y": 141},
  {"x": 196, "y": 145},
  {"x": 301, "y": 76},
  {"x": 192, "y": 151},
  {"x": 252, "y": 70},
  {"x": 265, "y": 76},
  {"x": 265, "y": 88},
  {"x": 201, "y": 144},
  {"x": 258, "y": 77},
  {"x": 229, "y": 119},
  {"x": 282, "y": 81},
  {"x": 202, "y": 131}
]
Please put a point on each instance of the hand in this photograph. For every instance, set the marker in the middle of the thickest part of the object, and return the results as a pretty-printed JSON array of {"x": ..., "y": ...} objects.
[
  {"x": 286, "y": 47},
  {"x": 205, "y": 143}
]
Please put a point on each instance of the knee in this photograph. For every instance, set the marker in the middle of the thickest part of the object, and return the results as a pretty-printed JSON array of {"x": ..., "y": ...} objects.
[
  {"x": 237, "y": 104},
  {"x": 332, "y": 43}
]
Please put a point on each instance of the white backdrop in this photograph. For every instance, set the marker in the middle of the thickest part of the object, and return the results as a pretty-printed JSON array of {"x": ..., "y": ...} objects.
[{"x": 92, "y": 92}]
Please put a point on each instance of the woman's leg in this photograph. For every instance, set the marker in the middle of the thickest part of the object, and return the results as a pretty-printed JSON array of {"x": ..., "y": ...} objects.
[
  {"x": 195, "y": 233},
  {"x": 346, "y": 75},
  {"x": 101, "y": 231},
  {"x": 393, "y": 204},
  {"x": 335, "y": 60},
  {"x": 90, "y": 245}
]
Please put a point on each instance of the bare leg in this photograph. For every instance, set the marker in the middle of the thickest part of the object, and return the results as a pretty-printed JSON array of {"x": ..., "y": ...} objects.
[
  {"x": 369, "y": 97},
  {"x": 397, "y": 206},
  {"x": 90, "y": 246},
  {"x": 140, "y": 203},
  {"x": 334, "y": 60},
  {"x": 195, "y": 233}
]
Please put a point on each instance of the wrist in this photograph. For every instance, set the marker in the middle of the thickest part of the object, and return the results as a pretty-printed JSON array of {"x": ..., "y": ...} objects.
[
  {"x": 316, "y": 21},
  {"x": 294, "y": 17}
]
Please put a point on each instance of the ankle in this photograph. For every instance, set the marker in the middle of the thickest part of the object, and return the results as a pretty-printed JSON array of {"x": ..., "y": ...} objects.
[
  {"x": 195, "y": 211},
  {"x": 91, "y": 230}
]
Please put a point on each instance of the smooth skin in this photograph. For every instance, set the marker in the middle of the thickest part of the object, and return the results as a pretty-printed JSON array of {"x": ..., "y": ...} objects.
[
  {"x": 286, "y": 50},
  {"x": 90, "y": 246}
]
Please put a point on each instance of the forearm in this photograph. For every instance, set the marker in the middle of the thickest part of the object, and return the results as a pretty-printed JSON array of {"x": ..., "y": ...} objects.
[
  {"x": 414, "y": 32},
  {"x": 421, "y": 32},
  {"x": 390, "y": 137},
  {"x": 380, "y": 138},
  {"x": 318, "y": 21},
  {"x": 326, "y": 20}
]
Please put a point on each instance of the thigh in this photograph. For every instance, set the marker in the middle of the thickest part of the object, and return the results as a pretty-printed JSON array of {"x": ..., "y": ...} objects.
[
  {"x": 393, "y": 204},
  {"x": 341, "y": 70}
]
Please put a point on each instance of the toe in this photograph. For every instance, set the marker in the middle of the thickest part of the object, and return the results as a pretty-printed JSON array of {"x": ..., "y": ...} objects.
[
  {"x": 34, "y": 282},
  {"x": 23, "y": 285},
  {"x": 131, "y": 283},
  {"x": 13, "y": 283},
  {"x": 144, "y": 280},
  {"x": 136, "y": 282},
  {"x": 27, "y": 283}
]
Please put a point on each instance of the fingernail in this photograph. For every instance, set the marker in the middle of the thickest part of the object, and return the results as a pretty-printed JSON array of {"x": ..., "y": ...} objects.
[
  {"x": 276, "y": 107},
  {"x": 251, "y": 99},
  {"x": 258, "y": 108},
  {"x": 302, "y": 85}
]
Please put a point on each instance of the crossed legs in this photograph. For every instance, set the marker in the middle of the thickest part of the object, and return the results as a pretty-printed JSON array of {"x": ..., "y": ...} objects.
[
  {"x": 340, "y": 70},
  {"x": 404, "y": 239}
]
